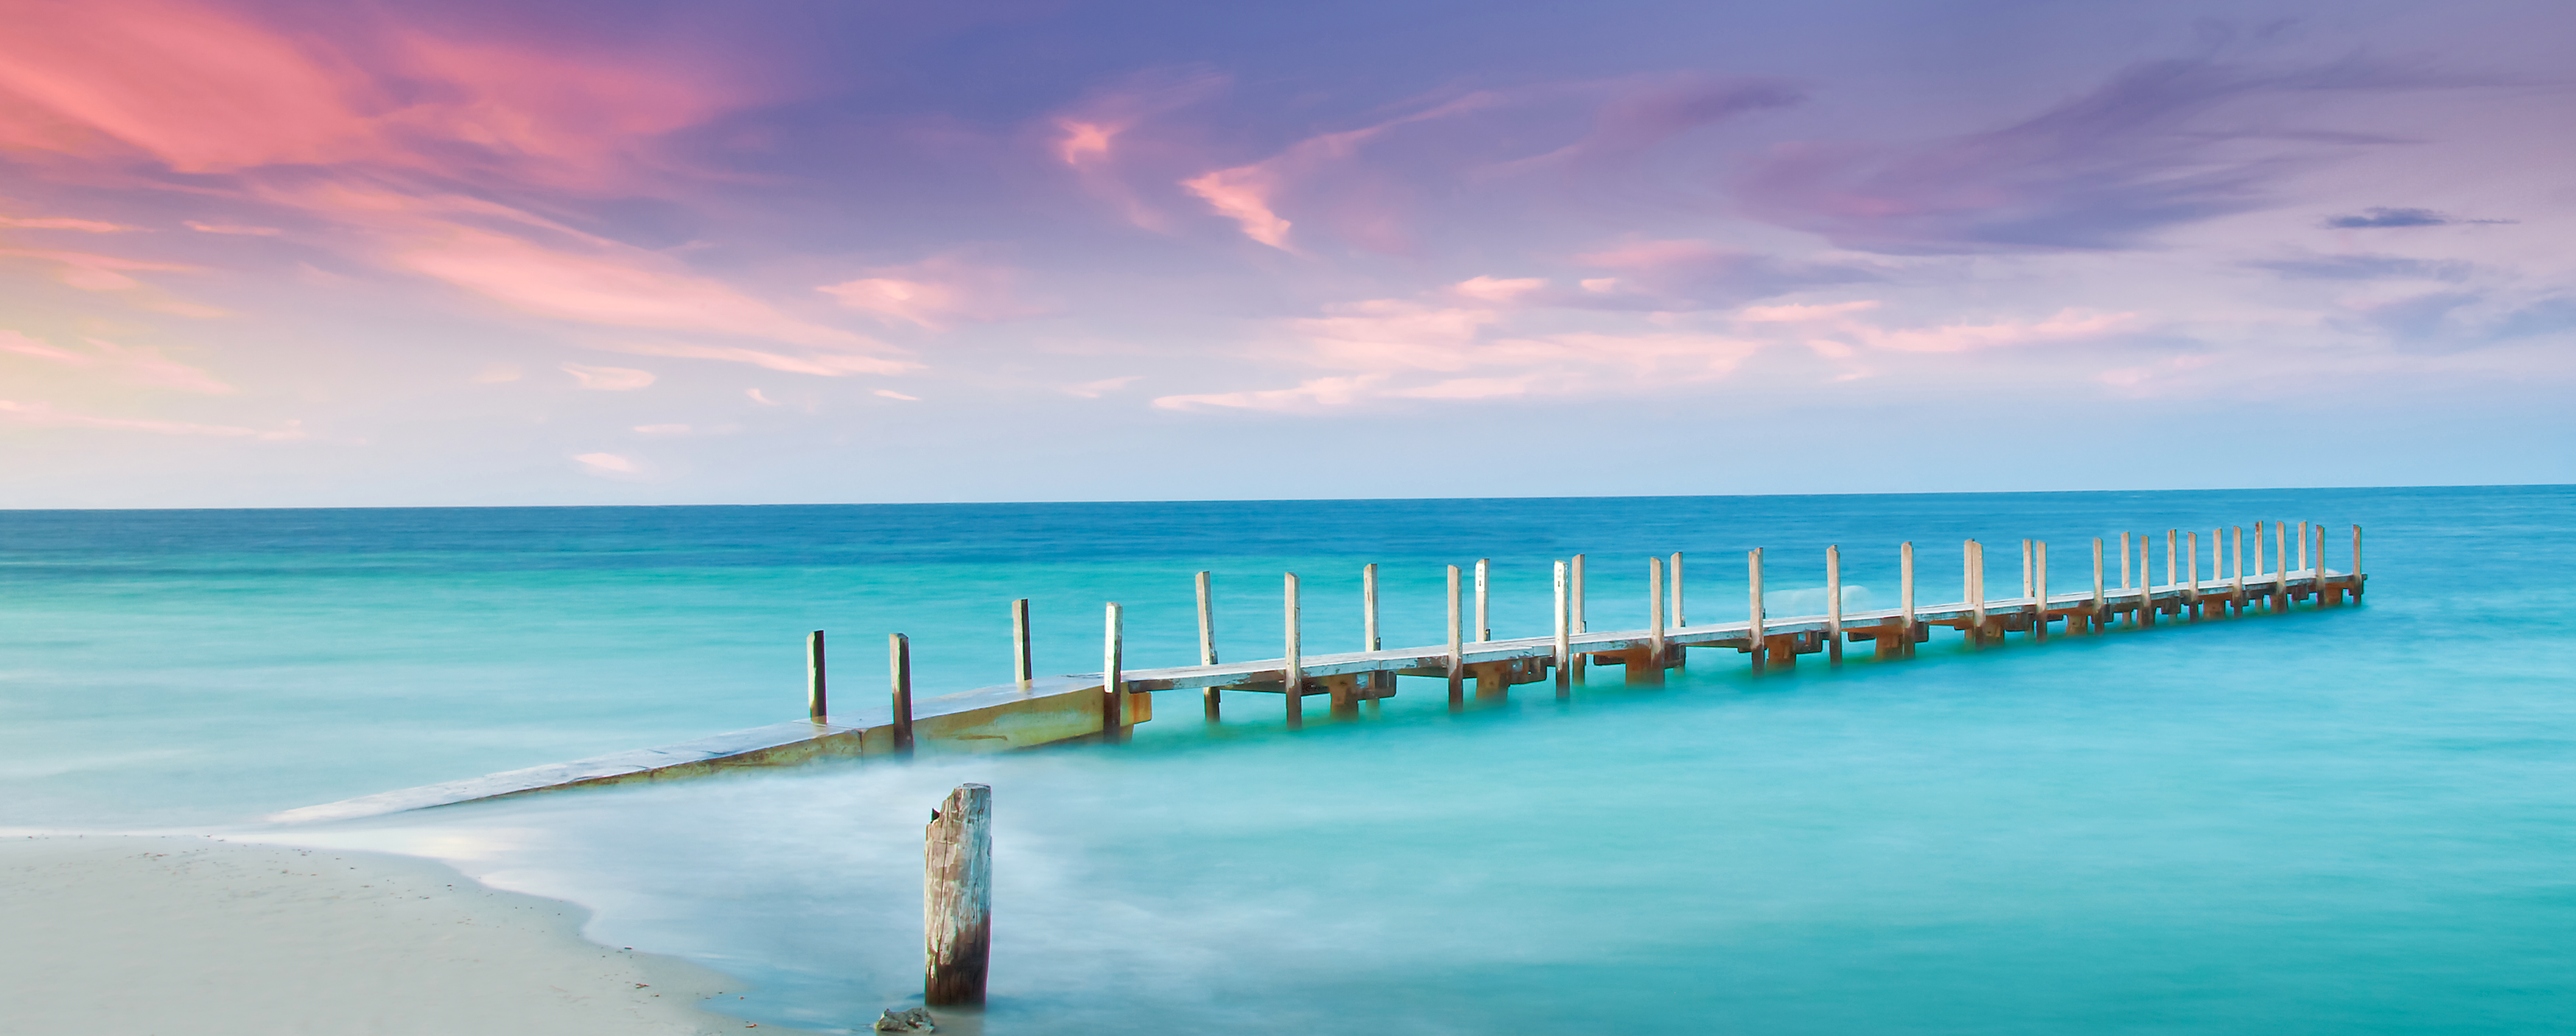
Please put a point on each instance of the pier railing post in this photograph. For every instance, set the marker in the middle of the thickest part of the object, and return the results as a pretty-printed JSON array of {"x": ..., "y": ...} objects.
[
  {"x": 816, "y": 705},
  {"x": 1293, "y": 675},
  {"x": 957, "y": 897},
  {"x": 2191, "y": 592},
  {"x": 2093, "y": 621},
  {"x": 1975, "y": 578},
  {"x": 1564, "y": 634},
  {"x": 1113, "y": 682},
  {"x": 2280, "y": 566},
  {"x": 2357, "y": 579},
  {"x": 1457, "y": 654},
  {"x": 1833, "y": 603},
  {"x": 1678, "y": 620},
  {"x": 899, "y": 674},
  {"x": 1214, "y": 698},
  {"x": 1022, "y": 670},
  {"x": 2146, "y": 584},
  {"x": 2025, "y": 568},
  {"x": 1905, "y": 595},
  {"x": 1654, "y": 617},
  {"x": 1484, "y": 614},
  {"x": 2039, "y": 591},
  {"x": 1755, "y": 625},
  {"x": 1574, "y": 606},
  {"x": 1369, "y": 638}
]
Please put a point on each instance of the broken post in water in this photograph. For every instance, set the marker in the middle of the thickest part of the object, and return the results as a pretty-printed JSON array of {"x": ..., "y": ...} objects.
[{"x": 957, "y": 897}]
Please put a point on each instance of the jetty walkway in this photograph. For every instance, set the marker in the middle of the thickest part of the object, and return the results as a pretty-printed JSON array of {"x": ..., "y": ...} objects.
[{"x": 1107, "y": 704}]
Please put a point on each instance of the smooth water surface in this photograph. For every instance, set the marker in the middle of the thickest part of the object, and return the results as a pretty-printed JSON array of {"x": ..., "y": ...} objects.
[{"x": 2350, "y": 820}]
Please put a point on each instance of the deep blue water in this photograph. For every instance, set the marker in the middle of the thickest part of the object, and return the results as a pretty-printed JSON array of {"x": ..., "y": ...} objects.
[{"x": 2352, "y": 820}]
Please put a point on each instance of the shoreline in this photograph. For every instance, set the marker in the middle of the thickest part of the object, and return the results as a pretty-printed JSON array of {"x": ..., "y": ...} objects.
[{"x": 170, "y": 934}]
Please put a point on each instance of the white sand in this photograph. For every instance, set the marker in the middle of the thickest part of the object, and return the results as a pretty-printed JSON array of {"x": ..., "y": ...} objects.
[{"x": 178, "y": 936}]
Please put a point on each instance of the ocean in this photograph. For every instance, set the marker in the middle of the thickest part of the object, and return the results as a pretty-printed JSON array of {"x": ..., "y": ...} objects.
[{"x": 2356, "y": 820}]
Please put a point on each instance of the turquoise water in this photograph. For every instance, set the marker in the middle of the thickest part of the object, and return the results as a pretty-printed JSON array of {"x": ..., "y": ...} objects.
[{"x": 2354, "y": 820}]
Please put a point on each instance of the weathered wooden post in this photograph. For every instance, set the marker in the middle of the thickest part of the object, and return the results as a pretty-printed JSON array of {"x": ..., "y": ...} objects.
[
  {"x": 899, "y": 673},
  {"x": 1654, "y": 620},
  {"x": 957, "y": 897},
  {"x": 1679, "y": 621},
  {"x": 1833, "y": 603},
  {"x": 1213, "y": 697},
  {"x": 2280, "y": 566},
  {"x": 2303, "y": 546},
  {"x": 2236, "y": 587},
  {"x": 1293, "y": 675},
  {"x": 1574, "y": 607},
  {"x": 1484, "y": 619},
  {"x": 1457, "y": 654},
  {"x": 1905, "y": 596},
  {"x": 1369, "y": 639},
  {"x": 1754, "y": 626},
  {"x": 1022, "y": 670},
  {"x": 2191, "y": 593},
  {"x": 816, "y": 707},
  {"x": 2039, "y": 591},
  {"x": 2146, "y": 583},
  {"x": 2357, "y": 579},
  {"x": 1564, "y": 634},
  {"x": 2124, "y": 560},
  {"x": 1972, "y": 580},
  {"x": 1113, "y": 683},
  {"x": 2093, "y": 622},
  {"x": 2025, "y": 568}
]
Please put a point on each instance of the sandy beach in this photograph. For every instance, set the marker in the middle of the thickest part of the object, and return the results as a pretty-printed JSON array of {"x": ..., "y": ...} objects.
[{"x": 138, "y": 936}]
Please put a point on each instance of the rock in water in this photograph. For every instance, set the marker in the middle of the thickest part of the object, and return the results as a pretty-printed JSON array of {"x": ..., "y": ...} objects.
[{"x": 915, "y": 1019}]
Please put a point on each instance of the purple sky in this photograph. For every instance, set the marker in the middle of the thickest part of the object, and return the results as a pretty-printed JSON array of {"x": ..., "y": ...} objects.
[{"x": 485, "y": 253}]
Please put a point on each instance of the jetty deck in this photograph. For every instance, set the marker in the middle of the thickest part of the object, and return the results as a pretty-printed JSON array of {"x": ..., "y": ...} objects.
[{"x": 1107, "y": 704}]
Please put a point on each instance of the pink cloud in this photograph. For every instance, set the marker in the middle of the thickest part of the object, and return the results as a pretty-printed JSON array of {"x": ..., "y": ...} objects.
[
  {"x": 609, "y": 379},
  {"x": 1242, "y": 194},
  {"x": 93, "y": 272},
  {"x": 1492, "y": 289},
  {"x": 141, "y": 365},
  {"x": 1247, "y": 194},
  {"x": 828, "y": 365},
  {"x": 63, "y": 223},
  {"x": 229, "y": 228},
  {"x": 1313, "y": 393},
  {"x": 611, "y": 284},
  {"x": 1652, "y": 254},
  {"x": 43, "y": 415},
  {"x": 1084, "y": 143},
  {"x": 2065, "y": 325},
  {"x": 607, "y": 463},
  {"x": 892, "y": 394},
  {"x": 935, "y": 293}
]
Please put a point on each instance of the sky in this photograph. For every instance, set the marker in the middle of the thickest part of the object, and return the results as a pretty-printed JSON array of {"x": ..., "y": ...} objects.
[{"x": 270, "y": 253}]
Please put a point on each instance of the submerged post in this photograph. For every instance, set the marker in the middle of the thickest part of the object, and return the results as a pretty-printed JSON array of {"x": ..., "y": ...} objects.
[
  {"x": 899, "y": 673},
  {"x": 1213, "y": 697},
  {"x": 1564, "y": 635},
  {"x": 1293, "y": 675},
  {"x": 1457, "y": 656},
  {"x": 1021, "y": 670},
  {"x": 957, "y": 897},
  {"x": 1113, "y": 683},
  {"x": 815, "y": 706},
  {"x": 1484, "y": 620},
  {"x": 1833, "y": 603}
]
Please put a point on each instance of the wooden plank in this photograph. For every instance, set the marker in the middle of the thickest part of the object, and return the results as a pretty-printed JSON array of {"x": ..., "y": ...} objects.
[
  {"x": 1833, "y": 602},
  {"x": 899, "y": 674},
  {"x": 817, "y": 704},
  {"x": 957, "y": 897}
]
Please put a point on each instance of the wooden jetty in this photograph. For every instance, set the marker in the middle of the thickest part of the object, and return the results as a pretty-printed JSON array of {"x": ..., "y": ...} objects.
[{"x": 1107, "y": 704}]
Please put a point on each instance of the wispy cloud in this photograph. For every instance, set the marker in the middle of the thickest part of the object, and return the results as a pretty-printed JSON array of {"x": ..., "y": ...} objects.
[
  {"x": 820, "y": 364},
  {"x": 607, "y": 463},
  {"x": 44, "y": 415},
  {"x": 231, "y": 228},
  {"x": 91, "y": 226},
  {"x": 609, "y": 379},
  {"x": 935, "y": 293},
  {"x": 605, "y": 284},
  {"x": 90, "y": 272},
  {"x": 138, "y": 365}
]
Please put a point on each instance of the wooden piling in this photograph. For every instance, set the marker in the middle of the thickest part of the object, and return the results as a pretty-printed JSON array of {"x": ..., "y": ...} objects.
[
  {"x": 1678, "y": 620},
  {"x": 1574, "y": 606},
  {"x": 1213, "y": 697},
  {"x": 1753, "y": 589},
  {"x": 1654, "y": 619},
  {"x": 816, "y": 705},
  {"x": 899, "y": 674},
  {"x": 2124, "y": 560},
  {"x": 1369, "y": 638},
  {"x": 1113, "y": 683},
  {"x": 2146, "y": 583},
  {"x": 1564, "y": 632},
  {"x": 2357, "y": 579},
  {"x": 2093, "y": 620},
  {"x": 2039, "y": 591},
  {"x": 1905, "y": 596},
  {"x": 1484, "y": 591},
  {"x": 1292, "y": 675},
  {"x": 1457, "y": 652},
  {"x": 957, "y": 897},
  {"x": 1833, "y": 603},
  {"x": 2236, "y": 586},
  {"x": 2025, "y": 568},
  {"x": 2191, "y": 593},
  {"x": 2303, "y": 546},
  {"x": 2280, "y": 567},
  {"x": 1023, "y": 672},
  {"x": 1973, "y": 587}
]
